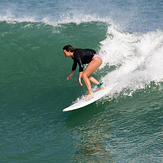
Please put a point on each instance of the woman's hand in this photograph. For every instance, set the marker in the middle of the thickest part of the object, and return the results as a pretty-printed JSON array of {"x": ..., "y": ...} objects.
[
  {"x": 79, "y": 81},
  {"x": 69, "y": 76}
]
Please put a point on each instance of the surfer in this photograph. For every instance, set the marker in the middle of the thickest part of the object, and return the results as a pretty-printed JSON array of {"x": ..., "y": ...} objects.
[{"x": 84, "y": 56}]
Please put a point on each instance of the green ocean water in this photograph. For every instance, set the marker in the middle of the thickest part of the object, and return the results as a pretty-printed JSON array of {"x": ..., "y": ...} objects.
[
  {"x": 124, "y": 126},
  {"x": 32, "y": 58}
]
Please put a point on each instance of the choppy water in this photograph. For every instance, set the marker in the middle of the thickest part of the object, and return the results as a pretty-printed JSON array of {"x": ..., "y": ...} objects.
[{"x": 125, "y": 126}]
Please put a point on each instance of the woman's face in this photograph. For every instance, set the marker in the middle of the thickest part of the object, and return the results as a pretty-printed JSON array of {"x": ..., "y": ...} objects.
[{"x": 66, "y": 54}]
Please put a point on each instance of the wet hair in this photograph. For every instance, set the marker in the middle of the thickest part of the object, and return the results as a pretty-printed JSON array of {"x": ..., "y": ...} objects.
[{"x": 70, "y": 48}]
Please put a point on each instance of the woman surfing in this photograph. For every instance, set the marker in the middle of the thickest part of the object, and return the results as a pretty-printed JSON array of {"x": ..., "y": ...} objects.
[{"x": 84, "y": 56}]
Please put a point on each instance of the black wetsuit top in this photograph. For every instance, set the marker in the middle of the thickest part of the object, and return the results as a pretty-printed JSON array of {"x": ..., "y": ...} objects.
[{"x": 82, "y": 56}]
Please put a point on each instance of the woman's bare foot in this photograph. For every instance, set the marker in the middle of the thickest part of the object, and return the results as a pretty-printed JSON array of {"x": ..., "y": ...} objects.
[
  {"x": 101, "y": 88},
  {"x": 89, "y": 96}
]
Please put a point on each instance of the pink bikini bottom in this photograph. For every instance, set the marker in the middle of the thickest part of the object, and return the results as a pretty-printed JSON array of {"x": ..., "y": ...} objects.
[{"x": 97, "y": 56}]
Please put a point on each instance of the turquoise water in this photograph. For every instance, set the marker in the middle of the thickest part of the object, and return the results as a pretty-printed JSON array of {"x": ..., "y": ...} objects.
[{"x": 124, "y": 126}]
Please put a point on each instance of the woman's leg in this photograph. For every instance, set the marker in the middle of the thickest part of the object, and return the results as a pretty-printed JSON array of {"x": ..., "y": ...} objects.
[
  {"x": 92, "y": 67},
  {"x": 93, "y": 80}
]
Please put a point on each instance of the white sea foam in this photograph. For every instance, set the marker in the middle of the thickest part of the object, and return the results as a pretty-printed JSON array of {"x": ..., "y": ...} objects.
[
  {"x": 11, "y": 18},
  {"x": 63, "y": 19},
  {"x": 13, "y": 14},
  {"x": 138, "y": 58}
]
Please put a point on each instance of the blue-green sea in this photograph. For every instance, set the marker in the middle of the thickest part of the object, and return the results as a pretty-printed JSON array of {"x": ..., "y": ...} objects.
[{"x": 125, "y": 126}]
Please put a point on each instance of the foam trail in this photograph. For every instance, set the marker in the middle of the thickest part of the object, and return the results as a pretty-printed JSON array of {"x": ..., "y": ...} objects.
[{"x": 138, "y": 58}]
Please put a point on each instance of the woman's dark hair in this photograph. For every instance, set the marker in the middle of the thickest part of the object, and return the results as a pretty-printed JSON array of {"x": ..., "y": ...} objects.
[{"x": 69, "y": 48}]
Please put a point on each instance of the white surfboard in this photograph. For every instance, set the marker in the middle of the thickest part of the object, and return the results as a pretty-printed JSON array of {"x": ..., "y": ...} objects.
[{"x": 97, "y": 95}]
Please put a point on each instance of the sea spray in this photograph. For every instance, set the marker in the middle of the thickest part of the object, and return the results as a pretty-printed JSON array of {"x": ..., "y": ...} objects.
[{"x": 137, "y": 57}]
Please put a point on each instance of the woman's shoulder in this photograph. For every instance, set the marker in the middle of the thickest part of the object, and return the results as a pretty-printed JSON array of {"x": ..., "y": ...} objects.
[
  {"x": 83, "y": 52},
  {"x": 78, "y": 51}
]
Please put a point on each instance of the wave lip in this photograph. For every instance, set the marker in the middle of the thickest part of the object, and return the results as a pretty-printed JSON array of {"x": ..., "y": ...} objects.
[
  {"x": 54, "y": 19},
  {"x": 11, "y": 18}
]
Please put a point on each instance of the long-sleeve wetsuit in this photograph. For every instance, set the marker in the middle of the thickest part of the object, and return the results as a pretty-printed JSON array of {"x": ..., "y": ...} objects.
[{"x": 82, "y": 56}]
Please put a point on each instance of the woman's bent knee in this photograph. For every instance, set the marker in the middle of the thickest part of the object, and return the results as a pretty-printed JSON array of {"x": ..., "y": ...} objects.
[{"x": 84, "y": 76}]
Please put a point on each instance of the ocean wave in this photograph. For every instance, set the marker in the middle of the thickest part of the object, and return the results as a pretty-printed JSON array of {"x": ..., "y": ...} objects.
[{"x": 137, "y": 59}]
